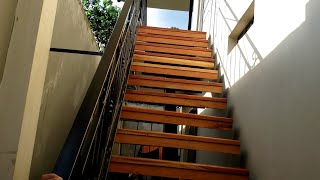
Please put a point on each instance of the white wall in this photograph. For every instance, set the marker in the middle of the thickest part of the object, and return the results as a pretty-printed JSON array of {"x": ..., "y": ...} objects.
[
  {"x": 67, "y": 80},
  {"x": 219, "y": 19},
  {"x": 276, "y": 104},
  {"x": 275, "y": 100}
]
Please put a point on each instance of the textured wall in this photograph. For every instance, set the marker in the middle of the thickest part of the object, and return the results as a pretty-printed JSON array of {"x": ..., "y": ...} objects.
[
  {"x": 67, "y": 80},
  {"x": 7, "y": 12},
  {"x": 276, "y": 106},
  {"x": 22, "y": 84}
]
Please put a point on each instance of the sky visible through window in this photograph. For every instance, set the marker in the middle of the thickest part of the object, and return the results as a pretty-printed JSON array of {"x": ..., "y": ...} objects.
[
  {"x": 163, "y": 17},
  {"x": 167, "y": 18}
]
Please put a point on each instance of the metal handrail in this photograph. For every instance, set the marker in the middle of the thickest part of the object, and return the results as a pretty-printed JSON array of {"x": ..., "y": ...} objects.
[{"x": 87, "y": 150}]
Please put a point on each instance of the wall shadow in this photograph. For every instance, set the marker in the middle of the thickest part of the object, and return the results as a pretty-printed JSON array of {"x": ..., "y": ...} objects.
[{"x": 276, "y": 106}]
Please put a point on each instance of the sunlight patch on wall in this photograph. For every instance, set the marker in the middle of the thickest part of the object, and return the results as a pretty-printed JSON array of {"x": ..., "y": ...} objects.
[
  {"x": 200, "y": 110},
  {"x": 275, "y": 20}
]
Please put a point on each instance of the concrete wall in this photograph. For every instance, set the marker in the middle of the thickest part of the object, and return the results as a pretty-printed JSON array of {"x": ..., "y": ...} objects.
[
  {"x": 40, "y": 92},
  {"x": 275, "y": 102},
  {"x": 67, "y": 80},
  {"x": 22, "y": 84},
  {"x": 7, "y": 12}
]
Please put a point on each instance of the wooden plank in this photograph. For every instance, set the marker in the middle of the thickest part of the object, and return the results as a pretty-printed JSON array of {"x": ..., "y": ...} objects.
[
  {"x": 169, "y": 117},
  {"x": 176, "y": 95},
  {"x": 172, "y": 83},
  {"x": 175, "y": 56},
  {"x": 174, "y": 46},
  {"x": 128, "y": 136},
  {"x": 137, "y": 57},
  {"x": 175, "y": 99},
  {"x": 174, "y": 70},
  {"x": 173, "y": 32},
  {"x": 174, "y": 37},
  {"x": 175, "y": 67},
  {"x": 172, "y": 169},
  {"x": 172, "y": 29},
  {"x": 172, "y": 49},
  {"x": 169, "y": 40}
]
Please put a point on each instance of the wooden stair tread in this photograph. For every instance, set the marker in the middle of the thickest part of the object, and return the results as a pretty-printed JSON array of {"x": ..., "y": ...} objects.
[
  {"x": 174, "y": 37},
  {"x": 167, "y": 117},
  {"x": 129, "y": 136},
  {"x": 192, "y": 69},
  {"x": 171, "y": 40},
  {"x": 185, "y": 81},
  {"x": 174, "y": 46},
  {"x": 170, "y": 117},
  {"x": 172, "y": 83},
  {"x": 185, "y": 96},
  {"x": 172, "y": 29},
  {"x": 177, "y": 114},
  {"x": 139, "y": 57},
  {"x": 174, "y": 70},
  {"x": 172, "y": 32},
  {"x": 175, "y": 99},
  {"x": 172, "y": 49},
  {"x": 175, "y": 56},
  {"x": 172, "y": 169}
]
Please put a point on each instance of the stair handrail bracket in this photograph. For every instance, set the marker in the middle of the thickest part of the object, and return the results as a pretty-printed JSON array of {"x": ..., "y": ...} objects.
[{"x": 87, "y": 150}]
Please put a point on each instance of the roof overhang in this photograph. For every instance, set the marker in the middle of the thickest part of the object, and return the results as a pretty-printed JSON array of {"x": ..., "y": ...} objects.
[{"x": 180, "y": 5}]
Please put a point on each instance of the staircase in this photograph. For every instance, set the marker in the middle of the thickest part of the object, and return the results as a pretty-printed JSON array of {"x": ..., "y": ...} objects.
[{"x": 174, "y": 67}]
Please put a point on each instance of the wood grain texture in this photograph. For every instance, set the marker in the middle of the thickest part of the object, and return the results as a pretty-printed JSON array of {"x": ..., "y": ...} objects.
[
  {"x": 174, "y": 46},
  {"x": 170, "y": 40},
  {"x": 170, "y": 117},
  {"x": 191, "y": 69},
  {"x": 172, "y": 83},
  {"x": 174, "y": 37},
  {"x": 175, "y": 61},
  {"x": 175, "y": 99},
  {"x": 175, "y": 56},
  {"x": 172, "y": 32},
  {"x": 128, "y": 136},
  {"x": 172, "y": 49},
  {"x": 172, "y": 169},
  {"x": 174, "y": 70},
  {"x": 171, "y": 29}
]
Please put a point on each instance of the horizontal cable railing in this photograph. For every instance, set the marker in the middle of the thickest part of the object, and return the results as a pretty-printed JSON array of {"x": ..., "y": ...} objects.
[{"x": 87, "y": 150}]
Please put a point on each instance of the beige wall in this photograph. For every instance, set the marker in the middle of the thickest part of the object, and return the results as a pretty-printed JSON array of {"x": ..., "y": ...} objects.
[
  {"x": 40, "y": 92},
  {"x": 67, "y": 80},
  {"x": 22, "y": 83},
  {"x": 7, "y": 12},
  {"x": 276, "y": 102}
]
